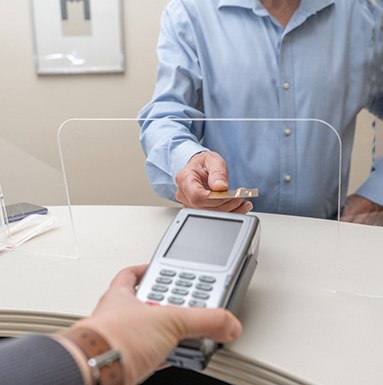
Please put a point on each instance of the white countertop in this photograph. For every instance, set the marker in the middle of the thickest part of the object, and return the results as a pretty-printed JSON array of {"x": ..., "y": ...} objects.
[{"x": 297, "y": 319}]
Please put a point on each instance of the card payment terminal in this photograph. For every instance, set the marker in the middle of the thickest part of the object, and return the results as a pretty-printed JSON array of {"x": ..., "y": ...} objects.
[{"x": 205, "y": 259}]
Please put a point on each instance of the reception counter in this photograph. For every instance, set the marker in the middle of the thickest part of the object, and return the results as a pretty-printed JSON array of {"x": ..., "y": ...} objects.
[{"x": 303, "y": 321}]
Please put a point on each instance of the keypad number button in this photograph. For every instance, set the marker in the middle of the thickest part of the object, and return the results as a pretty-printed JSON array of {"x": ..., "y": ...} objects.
[
  {"x": 155, "y": 297},
  {"x": 160, "y": 288},
  {"x": 200, "y": 295},
  {"x": 164, "y": 280},
  {"x": 179, "y": 291},
  {"x": 195, "y": 303},
  {"x": 176, "y": 300},
  {"x": 183, "y": 283},
  {"x": 185, "y": 275},
  {"x": 204, "y": 287},
  {"x": 207, "y": 279},
  {"x": 167, "y": 273}
]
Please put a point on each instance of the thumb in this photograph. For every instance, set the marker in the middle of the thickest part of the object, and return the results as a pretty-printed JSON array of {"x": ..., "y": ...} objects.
[
  {"x": 217, "y": 172},
  {"x": 217, "y": 324}
]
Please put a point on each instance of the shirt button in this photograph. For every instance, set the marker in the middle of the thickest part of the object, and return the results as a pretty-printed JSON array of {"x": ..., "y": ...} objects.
[
  {"x": 287, "y": 131},
  {"x": 286, "y": 85},
  {"x": 288, "y": 178}
]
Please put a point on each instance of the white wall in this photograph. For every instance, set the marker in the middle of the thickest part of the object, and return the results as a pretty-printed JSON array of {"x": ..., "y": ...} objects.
[
  {"x": 33, "y": 107},
  {"x": 362, "y": 155}
]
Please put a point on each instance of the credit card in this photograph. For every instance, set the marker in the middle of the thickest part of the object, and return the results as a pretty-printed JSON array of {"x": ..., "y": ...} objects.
[{"x": 240, "y": 192}]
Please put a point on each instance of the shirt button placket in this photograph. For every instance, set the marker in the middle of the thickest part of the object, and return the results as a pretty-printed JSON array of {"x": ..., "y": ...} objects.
[
  {"x": 286, "y": 86},
  {"x": 288, "y": 178},
  {"x": 287, "y": 111}
]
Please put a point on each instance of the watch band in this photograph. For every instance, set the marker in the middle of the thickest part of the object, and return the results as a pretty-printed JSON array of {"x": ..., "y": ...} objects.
[{"x": 105, "y": 363}]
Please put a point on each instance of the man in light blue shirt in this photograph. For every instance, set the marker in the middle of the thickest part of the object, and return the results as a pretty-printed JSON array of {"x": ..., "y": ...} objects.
[{"x": 310, "y": 60}]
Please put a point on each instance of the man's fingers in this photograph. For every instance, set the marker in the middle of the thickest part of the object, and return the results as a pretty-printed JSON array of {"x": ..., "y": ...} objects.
[
  {"x": 204, "y": 173},
  {"x": 213, "y": 166},
  {"x": 191, "y": 190},
  {"x": 244, "y": 208},
  {"x": 372, "y": 219},
  {"x": 227, "y": 205},
  {"x": 217, "y": 172},
  {"x": 358, "y": 209}
]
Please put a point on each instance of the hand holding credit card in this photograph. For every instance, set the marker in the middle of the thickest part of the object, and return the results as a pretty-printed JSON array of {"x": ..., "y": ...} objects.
[{"x": 240, "y": 192}]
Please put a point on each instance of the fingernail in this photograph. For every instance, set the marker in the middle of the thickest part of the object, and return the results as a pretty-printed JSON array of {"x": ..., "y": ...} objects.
[
  {"x": 220, "y": 182},
  {"x": 249, "y": 205}
]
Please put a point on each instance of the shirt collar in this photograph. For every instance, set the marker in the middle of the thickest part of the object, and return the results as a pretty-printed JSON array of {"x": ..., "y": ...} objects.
[
  {"x": 237, "y": 3},
  {"x": 307, "y": 7},
  {"x": 310, "y": 7}
]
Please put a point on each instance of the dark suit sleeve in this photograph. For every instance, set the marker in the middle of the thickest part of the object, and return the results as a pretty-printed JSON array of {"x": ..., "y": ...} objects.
[{"x": 37, "y": 359}]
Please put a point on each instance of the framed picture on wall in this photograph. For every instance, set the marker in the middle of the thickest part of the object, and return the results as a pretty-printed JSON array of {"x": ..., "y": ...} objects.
[{"x": 78, "y": 36}]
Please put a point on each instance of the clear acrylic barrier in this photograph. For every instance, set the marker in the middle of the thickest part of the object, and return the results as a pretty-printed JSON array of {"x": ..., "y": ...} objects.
[
  {"x": 103, "y": 164},
  {"x": 50, "y": 235},
  {"x": 26, "y": 180},
  {"x": 4, "y": 229}
]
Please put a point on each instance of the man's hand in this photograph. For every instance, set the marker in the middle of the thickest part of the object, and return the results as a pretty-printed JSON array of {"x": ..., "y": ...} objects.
[
  {"x": 144, "y": 334},
  {"x": 361, "y": 210},
  {"x": 205, "y": 172}
]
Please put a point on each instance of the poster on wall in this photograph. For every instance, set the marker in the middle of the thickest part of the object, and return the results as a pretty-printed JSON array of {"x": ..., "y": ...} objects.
[{"x": 78, "y": 36}]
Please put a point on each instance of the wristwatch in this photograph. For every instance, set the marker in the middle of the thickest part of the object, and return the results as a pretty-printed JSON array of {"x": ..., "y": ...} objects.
[{"x": 104, "y": 362}]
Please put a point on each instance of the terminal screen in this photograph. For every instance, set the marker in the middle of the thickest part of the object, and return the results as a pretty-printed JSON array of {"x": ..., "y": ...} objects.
[{"x": 205, "y": 240}]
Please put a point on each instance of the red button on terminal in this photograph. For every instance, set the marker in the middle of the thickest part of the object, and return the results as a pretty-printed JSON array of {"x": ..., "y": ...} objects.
[{"x": 152, "y": 303}]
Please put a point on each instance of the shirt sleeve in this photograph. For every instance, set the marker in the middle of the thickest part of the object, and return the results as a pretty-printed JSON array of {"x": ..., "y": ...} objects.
[
  {"x": 372, "y": 188},
  {"x": 376, "y": 105},
  {"x": 37, "y": 359},
  {"x": 170, "y": 135}
]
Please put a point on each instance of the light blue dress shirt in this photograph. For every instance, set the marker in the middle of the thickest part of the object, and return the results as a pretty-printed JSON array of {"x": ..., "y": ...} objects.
[{"x": 231, "y": 59}]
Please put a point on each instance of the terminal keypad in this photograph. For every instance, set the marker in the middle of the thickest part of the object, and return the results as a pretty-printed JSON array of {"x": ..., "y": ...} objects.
[{"x": 184, "y": 287}]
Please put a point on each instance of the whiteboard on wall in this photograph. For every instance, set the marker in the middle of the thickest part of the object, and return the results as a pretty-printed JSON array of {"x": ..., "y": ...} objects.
[{"x": 78, "y": 36}]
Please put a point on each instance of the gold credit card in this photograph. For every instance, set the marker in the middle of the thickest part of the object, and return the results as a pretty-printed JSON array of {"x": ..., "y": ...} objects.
[{"x": 240, "y": 192}]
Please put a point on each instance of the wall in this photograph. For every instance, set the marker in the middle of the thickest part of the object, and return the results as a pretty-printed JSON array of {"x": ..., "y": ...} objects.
[
  {"x": 361, "y": 156},
  {"x": 33, "y": 107}
]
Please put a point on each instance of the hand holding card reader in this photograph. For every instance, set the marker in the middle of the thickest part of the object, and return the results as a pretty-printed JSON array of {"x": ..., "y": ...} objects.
[{"x": 205, "y": 259}]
